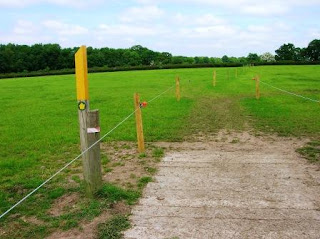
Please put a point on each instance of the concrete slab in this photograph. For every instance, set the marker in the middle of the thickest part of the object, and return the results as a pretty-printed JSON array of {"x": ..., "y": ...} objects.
[{"x": 255, "y": 189}]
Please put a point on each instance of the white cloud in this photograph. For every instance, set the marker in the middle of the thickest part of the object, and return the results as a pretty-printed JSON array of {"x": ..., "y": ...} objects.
[
  {"x": 25, "y": 39},
  {"x": 265, "y": 10},
  {"x": 17, "y": 3},
  {"x": 228, "y": 38},
  {"x": 129, "y": 30},
  {"x": 76, "y": 3},
  {"x": 68, "y": 3},
  {"x": 252, "y": 7},
  {"x": 144, "y": 14},
  {"x": 221, "y": 31},
  {"x": 64, "y": 29},
  {"x": 49, "y": 31},
  {"x": 233, "y": 2},
  {"x": 23, "y": 27},
  {"x": 205, "y": 20},
  {"x": 179, "y": 18},
  {"x": 314, "y": 33},
  {"x": 209, "y": 19},
  {"x": 186, "y": 27}
]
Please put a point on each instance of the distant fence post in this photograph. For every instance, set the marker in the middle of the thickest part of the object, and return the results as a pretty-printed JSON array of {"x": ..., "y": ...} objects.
[
  {"x": 88, "y": 120},
  {"x": 140, "y": 137},
  {"x": 214, "y": 78},
  {"x": 178, "y": 96},
  {"x": 257, "y": 78}
]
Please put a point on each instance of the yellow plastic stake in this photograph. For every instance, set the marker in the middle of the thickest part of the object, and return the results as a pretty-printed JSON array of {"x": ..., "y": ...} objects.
[
  {"x": 214, "y": 78},
  {"x": 178, "y": 96},
  {"x": 139, "y": 126},
  {"x": 257, "y": 78},
  {"x": 82, "y": 74}
]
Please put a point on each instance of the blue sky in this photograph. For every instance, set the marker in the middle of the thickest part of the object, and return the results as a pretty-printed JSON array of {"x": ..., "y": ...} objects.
[{"x": 182, "y": 27}]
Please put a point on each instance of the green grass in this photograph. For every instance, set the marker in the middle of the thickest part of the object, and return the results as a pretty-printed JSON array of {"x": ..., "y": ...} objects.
[
  {"x": 311, "y": 151},
  {"x": 113, "y": 228},
  {"x": 114, "y": 194},
  {"x": 85, "y": 209},
  {"x": 157, "y": 153},
  {"x": 39, "y": 130},
  {"x": 150, "y": 170},
  {"x": 144, "y": 181},
  {"x": 57, "y": 192},
  {"x": 142, "y": 155}
]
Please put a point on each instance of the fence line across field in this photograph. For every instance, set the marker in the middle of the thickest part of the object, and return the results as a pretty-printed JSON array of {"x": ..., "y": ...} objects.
[
  {"x": 80, "y": 155},
  {"x": 291, "y": 93},
  {"x": 120, "y": 123}
]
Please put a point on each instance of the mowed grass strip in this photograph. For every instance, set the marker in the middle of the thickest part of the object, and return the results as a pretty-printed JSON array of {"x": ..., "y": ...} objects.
[{"x": 39, "y": 122}]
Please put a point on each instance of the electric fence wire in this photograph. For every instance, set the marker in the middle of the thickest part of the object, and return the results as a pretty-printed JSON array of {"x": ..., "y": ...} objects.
[
  {"x": 288, "y": 92},
  {"x": 76, "y": 158},
  {"x": 160, "y": 94}
]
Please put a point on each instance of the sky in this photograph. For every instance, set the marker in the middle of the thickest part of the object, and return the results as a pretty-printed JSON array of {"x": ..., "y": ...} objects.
[{"x": 182, "y": 27}]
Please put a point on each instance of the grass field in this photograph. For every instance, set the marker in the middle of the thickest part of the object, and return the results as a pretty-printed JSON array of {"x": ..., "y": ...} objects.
[{"x": 39, "y": 125}]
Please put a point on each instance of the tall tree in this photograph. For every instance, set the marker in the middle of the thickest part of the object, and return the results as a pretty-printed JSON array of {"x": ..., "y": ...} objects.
[
  {"x": 225, "y": 59},
  {"x": 288, "y": 52},
  {"x": 253, "y": 58},
  {"x": 313, "y": 50},
  {"x": 164, "y": 58},
  {"x": 267, "y": 57}
]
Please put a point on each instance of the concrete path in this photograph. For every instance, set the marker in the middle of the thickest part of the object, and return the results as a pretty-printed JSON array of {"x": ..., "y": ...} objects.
[{"x": 251, "y": 188}]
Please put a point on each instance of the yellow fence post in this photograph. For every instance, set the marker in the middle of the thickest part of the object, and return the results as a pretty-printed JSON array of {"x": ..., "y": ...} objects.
[
  {"x": 178, "y": 96},
  {"x": 214, "y": 78},
  {"x": 257, "y": 79},
  {"x": 89, "y": 126},
  {"x": 140, "y": 137}
]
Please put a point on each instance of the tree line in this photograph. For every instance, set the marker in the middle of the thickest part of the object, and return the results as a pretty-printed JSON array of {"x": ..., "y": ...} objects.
[{"x": 48, "y": 57}]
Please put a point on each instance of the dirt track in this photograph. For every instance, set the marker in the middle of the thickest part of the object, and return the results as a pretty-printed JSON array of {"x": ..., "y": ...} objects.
[{"x": 239, "y": 186}]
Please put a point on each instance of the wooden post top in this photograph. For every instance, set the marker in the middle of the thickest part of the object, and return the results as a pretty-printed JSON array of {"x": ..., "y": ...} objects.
[{"x": 82, "y": 74}]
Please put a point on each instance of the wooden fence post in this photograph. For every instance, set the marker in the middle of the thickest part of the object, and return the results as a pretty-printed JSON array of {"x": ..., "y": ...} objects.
[
  {"x": 257, "y": 78},
  {"x": 178, "y": 96},
  {"x": 90, "y": 159},
  {"x": 92, "y": 169},
  {"x": 214, "y": 78},
  {"x": 139, "y": 126}
]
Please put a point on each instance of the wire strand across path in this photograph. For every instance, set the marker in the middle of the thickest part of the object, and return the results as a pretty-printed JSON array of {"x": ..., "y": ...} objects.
[
  {"x": 80, "y": 155},
  {"x": 288, "y": 92}
]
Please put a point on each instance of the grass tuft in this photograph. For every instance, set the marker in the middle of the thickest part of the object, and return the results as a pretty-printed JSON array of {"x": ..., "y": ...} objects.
[
  {"x": 114, "y": 193},
  {"x": 150, "y": 170},
  {"x": 113, "y": 228},
  {"x": 142, "y": 155},
  {"x": 157, "y": 153},
  {"x": 144, "y": 181},
  {"x": 55, "y": 193},
  {"x": 311, "y": 151}
]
